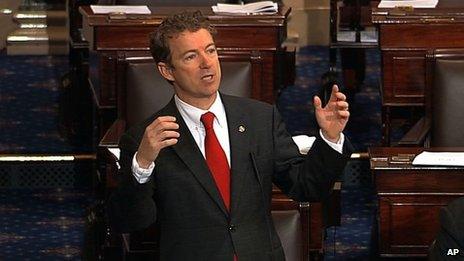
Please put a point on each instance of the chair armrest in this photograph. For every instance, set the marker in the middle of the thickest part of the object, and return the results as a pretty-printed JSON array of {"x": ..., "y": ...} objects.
[
  {"x": 112, "y": 135},
  {"x": 417, "y": 134},
  {"x": 110, "y": 140},
  {"x": 292, "y": 221},
  {"x": 77, "y": 40},
  {"x": 140, "y": 245}
]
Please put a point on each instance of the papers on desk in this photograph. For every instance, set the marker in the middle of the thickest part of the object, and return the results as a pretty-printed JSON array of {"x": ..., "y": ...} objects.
[
  {"x": 439, "y": 159},
  {"x": 263, "y": 7},
  {"x": 124, "y": 9},
  {"x": 369, "y": 36},
  {"x": 346, "y": 36},
  {"x": 408, "y": 3}
]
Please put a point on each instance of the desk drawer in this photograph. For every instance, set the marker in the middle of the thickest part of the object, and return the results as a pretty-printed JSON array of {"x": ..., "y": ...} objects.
[
  {"x": 408, "y": 224},
  {"x": 419, "y": 181}
]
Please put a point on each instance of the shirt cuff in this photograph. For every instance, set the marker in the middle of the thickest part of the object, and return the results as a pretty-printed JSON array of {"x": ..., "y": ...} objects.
[
  {"x": 141, "y": 175},
  {"x": 336, "y": 146}
]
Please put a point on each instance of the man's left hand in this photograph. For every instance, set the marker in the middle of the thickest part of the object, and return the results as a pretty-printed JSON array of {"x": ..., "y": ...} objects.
[{"x": 333, "y": 117}]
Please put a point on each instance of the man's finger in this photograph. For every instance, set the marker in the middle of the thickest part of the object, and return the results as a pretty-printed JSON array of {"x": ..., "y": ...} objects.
[
  {"x": 167, "y": 143},
  {"x": 166, "y": 118},
  {"x": 166, "y": 125},
  {"x": 342, "y": 105},
  {"x": 340, "y": 96},
  {"x": 317, "y": 102},
  {"x": 162, "y": 119},
  {"x": 169, "y": 134},
  {"x": 333, "y": 94},
  {"x": 344, "y": 114}
]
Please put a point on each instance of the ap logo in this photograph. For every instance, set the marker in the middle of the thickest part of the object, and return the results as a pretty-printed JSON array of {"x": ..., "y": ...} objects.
[{"x": 452, "y": 252}]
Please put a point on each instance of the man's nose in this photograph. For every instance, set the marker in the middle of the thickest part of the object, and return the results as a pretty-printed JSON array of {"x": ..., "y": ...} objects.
[{"x": 206, "y": 61}]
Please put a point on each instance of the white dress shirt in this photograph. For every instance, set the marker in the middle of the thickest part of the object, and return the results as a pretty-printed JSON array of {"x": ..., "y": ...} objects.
[{"x": 191, "y": 116}]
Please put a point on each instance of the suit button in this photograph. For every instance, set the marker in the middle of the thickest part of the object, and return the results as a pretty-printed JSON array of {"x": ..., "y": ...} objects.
[{"x": 232, "y": 228}]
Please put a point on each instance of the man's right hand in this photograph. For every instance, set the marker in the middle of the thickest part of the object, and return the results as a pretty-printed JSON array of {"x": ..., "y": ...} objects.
[{"x": 159, "y": 134}]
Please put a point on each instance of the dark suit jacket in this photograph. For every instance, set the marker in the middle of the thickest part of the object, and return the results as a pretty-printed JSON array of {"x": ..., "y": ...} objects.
[
  {"x": 451, "y": 234},
  {"x": 194, "y": 223}
]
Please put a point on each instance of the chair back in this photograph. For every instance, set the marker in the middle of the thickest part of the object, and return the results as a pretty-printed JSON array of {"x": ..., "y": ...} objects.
[
  {"x": 447, "y": 99},
  {"x": 292, "y": 223},
  {"x": 143, "y": 91}
]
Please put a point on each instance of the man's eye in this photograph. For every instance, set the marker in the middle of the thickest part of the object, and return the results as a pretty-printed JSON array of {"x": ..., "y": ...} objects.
[
  {"x": 211, "y": 50},
  {"x": 190, "y": 57}
]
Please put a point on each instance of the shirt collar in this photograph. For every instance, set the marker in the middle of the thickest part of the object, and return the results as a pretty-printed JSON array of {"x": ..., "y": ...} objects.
[{"x": 193, "y": 114}]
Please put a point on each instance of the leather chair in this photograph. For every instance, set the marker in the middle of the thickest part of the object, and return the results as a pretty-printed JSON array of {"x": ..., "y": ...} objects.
[
  {"x": 443, "y": 122},
  {"x": 142, "y": 91}
]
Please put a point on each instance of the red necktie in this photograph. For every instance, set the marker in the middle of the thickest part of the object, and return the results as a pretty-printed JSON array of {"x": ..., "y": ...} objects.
[{"x": 216, "y": 159}]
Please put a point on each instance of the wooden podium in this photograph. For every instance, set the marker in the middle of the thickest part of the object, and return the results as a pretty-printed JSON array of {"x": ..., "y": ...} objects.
[
  {"x": 258, "y": 38},
  {"x": 405, "y": 37},
  {"x": 410, "y": 198}
]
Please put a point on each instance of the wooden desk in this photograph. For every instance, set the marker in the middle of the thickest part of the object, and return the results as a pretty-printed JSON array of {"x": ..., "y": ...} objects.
[
  {"x": 258, "y": 37},
  {"x": 404, "y": 39},
  {"x": 410, "y": 198}
]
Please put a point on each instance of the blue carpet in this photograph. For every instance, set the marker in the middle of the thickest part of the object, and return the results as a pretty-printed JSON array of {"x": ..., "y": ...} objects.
[
  {"x": 352, "y": 240},
  {"x": 29, "y": 111},
  {"x": 42, "y": 224}
]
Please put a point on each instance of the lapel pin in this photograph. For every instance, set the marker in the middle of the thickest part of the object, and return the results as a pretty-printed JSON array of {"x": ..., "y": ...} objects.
[{"x": 241, "y": 128}]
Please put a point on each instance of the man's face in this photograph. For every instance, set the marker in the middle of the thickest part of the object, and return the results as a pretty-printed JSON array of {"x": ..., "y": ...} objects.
[{"x": 194, "y": 67}]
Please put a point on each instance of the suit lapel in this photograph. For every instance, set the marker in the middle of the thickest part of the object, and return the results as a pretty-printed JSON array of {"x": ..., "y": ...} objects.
[
  {"x": 188, "y": 151},
  {"x": 239, "y": 140}
]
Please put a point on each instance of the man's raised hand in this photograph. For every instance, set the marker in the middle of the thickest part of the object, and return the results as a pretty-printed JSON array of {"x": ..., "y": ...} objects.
[
  {"x": 333, "y": 117},
  {"x": 160, "y": 134}
]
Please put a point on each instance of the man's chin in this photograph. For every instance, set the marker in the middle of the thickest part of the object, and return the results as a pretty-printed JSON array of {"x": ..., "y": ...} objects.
[
  {"x": 210, "y": 93},
  {"x": 211, "y": 89}
]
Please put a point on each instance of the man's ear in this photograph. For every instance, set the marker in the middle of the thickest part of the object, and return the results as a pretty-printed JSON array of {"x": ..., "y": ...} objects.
[{"x": 166, "y": 71}]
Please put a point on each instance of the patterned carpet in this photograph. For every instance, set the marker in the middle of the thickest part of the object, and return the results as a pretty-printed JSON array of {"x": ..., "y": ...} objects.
[
  {"x": 42, "y": 224},
  {"x": 48, "y": 224},
  {"x": 30, "y": 103},
  {"x": 30, "y": 98}
]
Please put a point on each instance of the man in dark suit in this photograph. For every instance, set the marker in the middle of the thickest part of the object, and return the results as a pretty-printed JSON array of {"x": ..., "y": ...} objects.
[
  {"x": 449, "y": 243},
  {"x": 204, "y": 165}
]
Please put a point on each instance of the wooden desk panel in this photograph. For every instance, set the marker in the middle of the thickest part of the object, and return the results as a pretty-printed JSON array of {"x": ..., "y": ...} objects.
[
  {"x": 428, "y": 35},
  {"x": 410, "y": 199},
  {"x": 403, "y": 77},
  {"x": 404, "y": 39},
  {"x": 408, "y": 224}
]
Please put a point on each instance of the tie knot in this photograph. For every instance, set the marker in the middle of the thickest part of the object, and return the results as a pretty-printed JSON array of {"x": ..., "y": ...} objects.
[{"x": 207, "y": 120}]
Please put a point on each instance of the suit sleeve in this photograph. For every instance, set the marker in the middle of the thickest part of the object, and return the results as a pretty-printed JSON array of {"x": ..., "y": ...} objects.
[
  {"x": 131, "y": 206},
  {"x": 309, "y": 177},
  {"x": 450, "y": 236}
]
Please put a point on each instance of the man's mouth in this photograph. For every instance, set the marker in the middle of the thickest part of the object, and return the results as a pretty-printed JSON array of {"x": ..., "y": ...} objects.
[{"x": 207, "y": 77}]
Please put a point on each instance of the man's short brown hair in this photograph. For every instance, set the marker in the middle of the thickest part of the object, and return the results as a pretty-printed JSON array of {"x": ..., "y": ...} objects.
[{"x": 171, "y": 27}]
